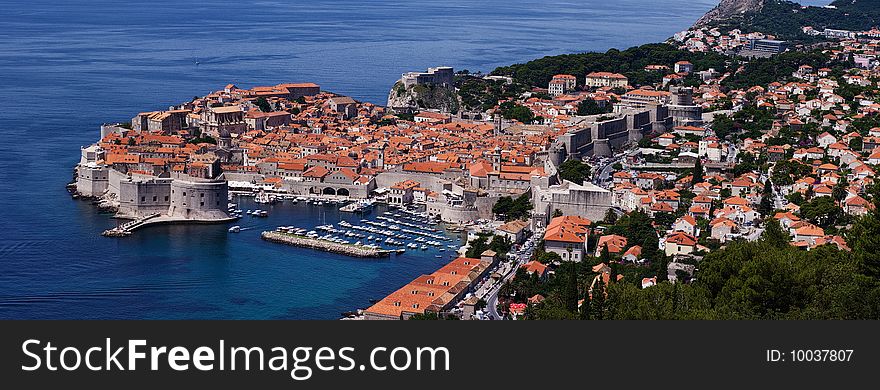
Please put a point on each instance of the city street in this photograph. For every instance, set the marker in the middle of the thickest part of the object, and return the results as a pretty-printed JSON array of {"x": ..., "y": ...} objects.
[
  {"x": 489, "y": 291},
  {"x": 605, "y": 171}
]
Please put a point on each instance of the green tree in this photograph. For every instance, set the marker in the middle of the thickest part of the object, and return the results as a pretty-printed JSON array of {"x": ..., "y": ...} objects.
[
  {"x": 512, "y": 209},
  {"x": 263, "y": 104},
  {"x": 865, "y": 241},
  {"x": 856, "y": 143},
  {"x": 697, "y": 173},
  {"x": 822, "y": 211},
  {"x": 510, "y": 110},
  {"x": 766, "y": 205},
  {"x": 590, "y": 107},
  {"x": 610, "y": 217},
  {"x": 598, "y": 300},
  {"x": 574, "y": 171},
  {"x": 773, "y": 234},
  {"x": 570, "y": 288}
]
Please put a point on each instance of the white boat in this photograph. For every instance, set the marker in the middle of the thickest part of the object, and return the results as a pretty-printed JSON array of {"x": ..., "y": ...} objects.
[
  {"x": 262, "y": 197},
  {"x": 235, "y": 229}
]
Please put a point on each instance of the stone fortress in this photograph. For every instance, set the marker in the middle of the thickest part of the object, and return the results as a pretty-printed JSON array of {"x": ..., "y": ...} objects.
[
  {"x": 177, "y": 196},
  {"x": 441, "y": 75},
  {"x": 596, "y": 135},
  {"x": 195, "y": 191}
]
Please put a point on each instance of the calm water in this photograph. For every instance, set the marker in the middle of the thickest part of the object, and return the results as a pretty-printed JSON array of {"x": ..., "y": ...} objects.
[{"x": 66, "y": 67}]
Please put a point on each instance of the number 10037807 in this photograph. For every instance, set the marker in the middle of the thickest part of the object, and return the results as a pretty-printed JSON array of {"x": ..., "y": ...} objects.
[{"x": 810, "y": 355}]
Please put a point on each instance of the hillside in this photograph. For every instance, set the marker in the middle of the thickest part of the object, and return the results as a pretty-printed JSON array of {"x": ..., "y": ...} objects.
[
  {"x": 630, "y": 62},
  {"x": 728, "y": 9},
  {"x": 785, "y": 18}
]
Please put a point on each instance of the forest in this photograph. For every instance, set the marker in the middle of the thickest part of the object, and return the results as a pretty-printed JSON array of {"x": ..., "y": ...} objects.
[{"x": 630, "y": 62}]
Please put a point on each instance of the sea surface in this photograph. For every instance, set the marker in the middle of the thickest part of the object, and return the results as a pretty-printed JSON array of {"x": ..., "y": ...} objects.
[{"x": 68, "y": 66}]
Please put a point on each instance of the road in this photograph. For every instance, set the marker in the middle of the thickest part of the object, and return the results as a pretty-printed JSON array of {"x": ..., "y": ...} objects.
[
  {"x": 605, "y": 171},
  {"x": 509, "y": 271}
]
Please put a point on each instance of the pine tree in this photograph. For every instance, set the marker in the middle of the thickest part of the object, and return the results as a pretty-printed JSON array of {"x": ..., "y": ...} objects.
[
  {"x": 597, "y": 303},
  {"x": 585, "y": 309},
  {"x": 766, "y": 205},
  {"x": 697, "y": 177},
  {"x": 774, "y": 235},
  {"x": 570, "y": 289}
]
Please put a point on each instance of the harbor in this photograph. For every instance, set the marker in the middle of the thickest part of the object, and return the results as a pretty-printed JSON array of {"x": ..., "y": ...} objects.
[
  {"x": 391, "y": 230},
  {"x": 351, "y": 228}
]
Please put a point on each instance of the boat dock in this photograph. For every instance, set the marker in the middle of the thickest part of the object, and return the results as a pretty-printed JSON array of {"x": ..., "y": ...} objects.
[
  {"x": 326, "y": 246},
  {"x": 125, "y": 229}
]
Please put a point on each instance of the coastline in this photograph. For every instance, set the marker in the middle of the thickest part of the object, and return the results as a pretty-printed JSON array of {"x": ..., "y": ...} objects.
[{"x": 159, "y": 92}]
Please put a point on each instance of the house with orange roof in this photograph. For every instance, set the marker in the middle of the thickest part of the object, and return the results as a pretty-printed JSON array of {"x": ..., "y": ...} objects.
[
  {"x": 735, "y": 202},
  {"x": 686, "y": 224},
  {"x": 431, "y": 117},
  {"x": 665, "y": 139},
  {"x": 613, "y": 242},
  {"x": 633, "y": 254},
  {"x": 659, "y": 207},
  {"x": 856, "y": 205},
  {"x": 722, "y": 228},
  {"x": 606, "y": 79},
  {"x": 561, "y": 84},
  {"x": 535, "y": 267},
  {"x": 649, "y": 180},
  {"x": 567, "y": 237},
  {"x": 806, "y": 233},
  {"x": 699, "y": 211},
  {"x": 822, "y": 190},
  {"x": 402, "y": 192},
  {"x": 513, "y": 230},
  {"x": 679, "y": 243},
  {"x": 786, "y": 219}
]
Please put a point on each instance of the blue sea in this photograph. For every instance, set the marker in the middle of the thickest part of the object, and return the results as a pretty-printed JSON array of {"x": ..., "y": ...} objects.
[{"x": 68, "y": 66}]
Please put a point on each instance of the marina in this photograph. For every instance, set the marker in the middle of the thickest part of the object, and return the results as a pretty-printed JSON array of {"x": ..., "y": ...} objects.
[{"x": 378, "y": 237}]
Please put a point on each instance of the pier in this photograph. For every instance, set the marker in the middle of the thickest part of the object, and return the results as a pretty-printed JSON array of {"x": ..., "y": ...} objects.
[
  {"x": 326, "y": 246},
  {"x": 125, "y": 229}
]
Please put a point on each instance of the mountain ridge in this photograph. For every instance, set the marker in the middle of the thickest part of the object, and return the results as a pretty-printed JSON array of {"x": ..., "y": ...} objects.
[
  {"x": 729, "y": 8},
  {"x": 785, "y": 19}
]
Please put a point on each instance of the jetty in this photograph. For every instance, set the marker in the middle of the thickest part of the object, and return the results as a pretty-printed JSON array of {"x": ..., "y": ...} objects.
[
  {"x": 326, "y": 246},
  {"x": 125, "y": 229}
]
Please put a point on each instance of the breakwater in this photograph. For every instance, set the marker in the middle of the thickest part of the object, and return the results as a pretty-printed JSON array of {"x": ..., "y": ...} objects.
[{"x": 326, "y": 246}]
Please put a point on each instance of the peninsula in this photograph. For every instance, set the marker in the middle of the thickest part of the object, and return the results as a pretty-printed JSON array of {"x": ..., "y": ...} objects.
[{"x": 709, "y": 176}]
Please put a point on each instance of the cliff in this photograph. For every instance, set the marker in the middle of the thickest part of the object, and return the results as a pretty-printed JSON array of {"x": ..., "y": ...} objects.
[
  {"x": 423, "y": 97},
  {"x": 728, "y": 9}
]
